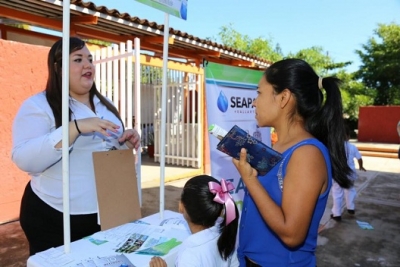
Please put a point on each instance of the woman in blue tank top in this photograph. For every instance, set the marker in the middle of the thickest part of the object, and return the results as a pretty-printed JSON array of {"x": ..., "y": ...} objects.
[{"x": 282, "y": 209}]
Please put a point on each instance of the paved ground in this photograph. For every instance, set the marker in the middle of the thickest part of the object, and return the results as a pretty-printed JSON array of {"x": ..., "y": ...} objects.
[
  {"x": 342, "y": 244},
  {"x": 345, "y": 244}
]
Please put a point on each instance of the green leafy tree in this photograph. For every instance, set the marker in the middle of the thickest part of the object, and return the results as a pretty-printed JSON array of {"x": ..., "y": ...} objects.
[
  {"x": 354, "y": 92},
  {"x": 322, "y": 63},
  {"x": 260, "y": 47},
  {"x": 264, "y": 48},
  {"x": 380, "y": 67},
  {"x": 354, "y": 95}
]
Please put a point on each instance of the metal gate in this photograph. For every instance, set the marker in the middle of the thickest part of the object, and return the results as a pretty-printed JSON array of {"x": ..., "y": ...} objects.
[
  {"x": 183, "y": 130},
  {"x": 115, "y": 79}
]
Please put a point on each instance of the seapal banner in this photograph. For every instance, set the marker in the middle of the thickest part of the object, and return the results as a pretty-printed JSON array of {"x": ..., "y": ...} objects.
[
  {"x": 177, "y": 8},
  {"x": 230, "y": 92}
]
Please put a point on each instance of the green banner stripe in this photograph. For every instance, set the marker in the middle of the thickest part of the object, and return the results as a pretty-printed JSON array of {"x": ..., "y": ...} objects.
[
  {"x": 232, "y": 74},
  {"x": 161, "y": 7}
]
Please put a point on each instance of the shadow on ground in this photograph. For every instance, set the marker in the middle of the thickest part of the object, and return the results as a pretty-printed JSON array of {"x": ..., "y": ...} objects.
[{"x": 345, "y": 244}]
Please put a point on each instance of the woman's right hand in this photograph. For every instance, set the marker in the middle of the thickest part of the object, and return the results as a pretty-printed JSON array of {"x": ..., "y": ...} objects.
[{"x": 96, "y": 124}]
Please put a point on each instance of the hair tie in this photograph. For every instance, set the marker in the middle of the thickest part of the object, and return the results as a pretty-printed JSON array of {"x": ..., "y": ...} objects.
[
  {"x": 320, "y": 83},
  {"x": 222, "y": 196}
]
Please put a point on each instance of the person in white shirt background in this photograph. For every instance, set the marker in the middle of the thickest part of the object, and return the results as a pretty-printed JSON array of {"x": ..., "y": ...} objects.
[
  {"x": 398, "y": 132},
  {"x": 213, "y": 241},
  {"x": 350, "y": 193},
  {"x": 94, "y": 125}
]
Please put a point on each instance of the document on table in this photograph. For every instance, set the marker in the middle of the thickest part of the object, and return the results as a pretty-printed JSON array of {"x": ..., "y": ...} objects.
[
  {"x": 55, "y": 257},
  {"x": 109, "y": 261},
  {"x": 122, "y": 233},
  {"x": 144, "y": 238},
  {"x": 178, "y": 223},
  {"x": 169, "y": 220},
  {"x": 137, "y": 241}
]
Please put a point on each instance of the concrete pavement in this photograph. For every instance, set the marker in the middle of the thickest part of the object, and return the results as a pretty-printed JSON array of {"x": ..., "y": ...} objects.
[
  {"x": 345, "y": 243},
  {"x": 340, "y": 244}
]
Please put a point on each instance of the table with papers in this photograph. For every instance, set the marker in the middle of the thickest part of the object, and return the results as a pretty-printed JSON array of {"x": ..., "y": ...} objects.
[{"x": 137, "y": 241}]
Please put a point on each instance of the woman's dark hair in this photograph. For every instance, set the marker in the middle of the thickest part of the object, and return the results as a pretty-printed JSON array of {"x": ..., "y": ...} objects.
[
  {"x": 54, "y": 83},
  {"x": 322, "y": 118},
  {"x": 203, "y": 210}
]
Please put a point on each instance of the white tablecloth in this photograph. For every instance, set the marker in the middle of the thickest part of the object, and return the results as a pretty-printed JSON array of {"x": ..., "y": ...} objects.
[{"x": 85, "y": 249}]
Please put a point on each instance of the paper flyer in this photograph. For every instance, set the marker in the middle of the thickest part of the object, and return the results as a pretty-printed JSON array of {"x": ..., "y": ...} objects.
[
  {"x": 161, "y": 249},
  {"x": 134, "y": 242},
  {"x": 153, "y": 239},
  {"x": 113, "y": 261}
]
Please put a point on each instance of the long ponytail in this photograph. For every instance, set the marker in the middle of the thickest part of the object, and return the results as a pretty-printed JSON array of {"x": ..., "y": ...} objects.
[
  {"x": 323, "y": 117},
  {"x": 328, "y": 126},
  {"x": 227, "y": 239}
]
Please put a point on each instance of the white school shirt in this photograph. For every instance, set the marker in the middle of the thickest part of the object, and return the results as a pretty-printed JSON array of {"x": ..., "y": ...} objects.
[
  {"x": 352, "y": 153},
  {"x": 201, "y": 250},
  {"x": 34, "y": 138},
  {"x": 398, "y": 128}
]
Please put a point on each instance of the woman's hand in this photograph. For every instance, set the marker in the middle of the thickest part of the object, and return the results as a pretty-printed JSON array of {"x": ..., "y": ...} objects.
[
  {"x": 246, "y": 171},
  {"x": 95, "y": 124},
  {"x": 131, "y": 137},
  {"x": 157, "y": 262}
]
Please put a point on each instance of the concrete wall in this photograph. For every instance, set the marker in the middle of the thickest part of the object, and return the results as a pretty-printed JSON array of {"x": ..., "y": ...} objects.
[
  {"x": 23, "y": 72},
  {"x": 378, "y": 124}
]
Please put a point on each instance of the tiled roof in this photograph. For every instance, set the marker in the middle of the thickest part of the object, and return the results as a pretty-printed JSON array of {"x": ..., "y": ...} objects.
[{"x": 115, "y": 23}]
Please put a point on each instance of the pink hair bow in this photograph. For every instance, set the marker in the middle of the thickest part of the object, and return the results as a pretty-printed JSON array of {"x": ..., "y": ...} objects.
[{"x": 222, "y": 196}]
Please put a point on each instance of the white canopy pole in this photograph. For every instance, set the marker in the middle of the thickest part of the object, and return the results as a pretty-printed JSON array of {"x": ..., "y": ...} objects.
[
  {"x": 65, "y": 123},
  {"x": 138, "y": 115},
  {"x": 163, "y": 114}
]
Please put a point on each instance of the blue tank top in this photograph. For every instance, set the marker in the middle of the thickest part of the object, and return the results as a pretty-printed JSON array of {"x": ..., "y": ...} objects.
[{"x": 258, "y": 242}]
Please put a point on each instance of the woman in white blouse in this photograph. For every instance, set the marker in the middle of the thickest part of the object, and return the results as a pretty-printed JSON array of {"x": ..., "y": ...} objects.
[
  {"x": 398, "y": 132},
  {"x": 94, "y": 125}
]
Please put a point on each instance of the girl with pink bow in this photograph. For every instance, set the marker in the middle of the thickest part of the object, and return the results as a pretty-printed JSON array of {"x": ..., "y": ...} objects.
[{"x": 212, "y": 217}]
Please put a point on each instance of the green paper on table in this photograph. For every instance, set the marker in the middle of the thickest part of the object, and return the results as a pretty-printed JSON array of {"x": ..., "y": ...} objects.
[
  {"x": 365, "y": 225},
  {"x": 95, "y": 241},
  {"x": 160, "y": 249}
]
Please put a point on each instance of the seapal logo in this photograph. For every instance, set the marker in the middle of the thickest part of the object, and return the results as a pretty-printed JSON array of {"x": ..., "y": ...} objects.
[
  {"x": 240, "y": 104},
  {"x": 222, "y": 102}
]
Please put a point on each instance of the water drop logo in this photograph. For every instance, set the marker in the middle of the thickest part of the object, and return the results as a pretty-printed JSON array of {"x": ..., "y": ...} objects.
[
  {"x": 184, "y": 10},
  {"x": 222, "y": 102}
]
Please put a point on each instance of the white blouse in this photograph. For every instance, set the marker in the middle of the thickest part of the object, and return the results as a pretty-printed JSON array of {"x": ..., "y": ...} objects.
[
  {"x": 34, "y": 138},
  {"x": 201, "y": 250}
]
